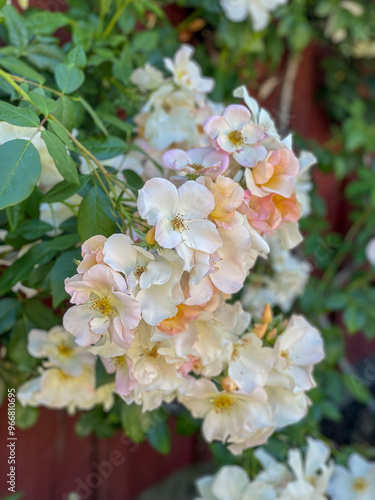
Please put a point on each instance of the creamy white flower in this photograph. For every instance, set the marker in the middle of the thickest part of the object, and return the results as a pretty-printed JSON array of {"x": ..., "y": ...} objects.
[
  {"x": 259, "y": 10},
  {"x": 103, "y": 306},
  {"x": 153, "y": 279},
  {"x": 228, "y": 416},
  {"x": 60, "y": 348},
  {"x": 357, "y": 482},
  {"x": 187, "y": 73},
  {"x": 147, "y": 78},
  {"x": 56, "y": 389},
  {"x": 155, "y": 367},
  {"x": 297, "y": 349},
  {"x": 251, "y": 363},
  {"x": 180, "y": 217}
]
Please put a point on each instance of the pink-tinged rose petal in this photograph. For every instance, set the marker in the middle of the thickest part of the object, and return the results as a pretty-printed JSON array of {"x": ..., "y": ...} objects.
[
  {"x": 76, "y": 321},
  {"x": 250, "y": 155},
  {"x": 202, "y": 235},
  {"x": 176, "y": 159},
  {"x": 253, "y": 133},
  {"x": 215, "y": 125},
  {"x": 237, "y": 116},
  {"x": 128, "y": 310}
]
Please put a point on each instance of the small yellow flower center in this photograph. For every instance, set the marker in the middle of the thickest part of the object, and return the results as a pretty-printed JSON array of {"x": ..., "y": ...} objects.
[
  {"x": 103, "y": 306},
  {"x": 285, "y": 354},
  {"x": 64, "y": 350},
  {"x": 224, "y": 403},
  {"x": 236, "y": 138},
  {"x": 65, "y": 377},
  {"x": 118, "y": 361},
  {"x": 152, "y": 353},
  {"x": 139, "y": 270},
  {"x": 360, "y": 484},
  {"x": 178, "y": 223}
]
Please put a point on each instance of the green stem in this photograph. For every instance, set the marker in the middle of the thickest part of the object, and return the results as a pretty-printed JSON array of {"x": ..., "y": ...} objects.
[{"x": 113, "y": 21}]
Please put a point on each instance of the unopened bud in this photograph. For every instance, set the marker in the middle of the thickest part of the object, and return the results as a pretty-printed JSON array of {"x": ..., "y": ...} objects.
[
  {"x": 260, "y": 329},
  {"x": 150, "y": 237},
  {"x": 272, "y": 334},
  {"x": 267, "y": 315},
  {"x": 228, "y": 384}
]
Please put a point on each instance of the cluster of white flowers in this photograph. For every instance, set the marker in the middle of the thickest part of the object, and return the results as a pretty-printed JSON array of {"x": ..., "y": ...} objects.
[
  {"x": 67, "y": 376},
  {"x": 154, "y": 306},
  {"x": 258, "y": 10},
  {"x": 313, "y": 477}
]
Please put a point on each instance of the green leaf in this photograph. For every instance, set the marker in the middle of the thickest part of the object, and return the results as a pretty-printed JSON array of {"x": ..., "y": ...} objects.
[
  {"x": 22, "y": 117},
  {"x": 32, "y": 229},
  {"x": 17, "y": 347},
  {"x": 62, "y": 242},
  {"x": 61, "y": 133},
  {"x": 43, "y": 22},
  {"x": 64, "y": 112},
  {"x": 133, "y": 179},
  {"x": 159, "y": 436},
  {"x": 64, "y": 190},
  {"x": 68, "y": 77},
  {"x": 63, "y": 268},
  {"x": 77, "y": 57},
  {"x": 96, "y": 119},
  {"x": 15, "y": 215},
  {"x": 21, "y": 269},
  {"x": 357, "y": 388},
  {"x": 17, "y": 31},
  {"x": 21, "y": 68},
  {"x": 45, "y": 104},
  {"x": 116, "y": 122},
  {"x": 94, "y": 216},
  {"x": 64, "y": 163},
  {"x": 145, "y": 41},
  {"x": 20, "y": 170},
  {"x": 26, "y": 416},
  {"x": 40, "y": 315},
  {"x": 45, "y": 57},
  {"x": 9, "y": 309},
  {"x": 134, "y": 423},
  {"x": 123, "y": 67},
  {"x": 105, "y": 147}
]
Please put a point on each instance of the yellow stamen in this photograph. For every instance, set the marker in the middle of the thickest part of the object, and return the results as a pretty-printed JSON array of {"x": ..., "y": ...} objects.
[
  {"x": 103, "y": 306},
  {"x": 196, "y": 166},
  {"x": 224, "y": 403},
  {"x": 236, "y": 138},
  {"x": 360, "y": 484},
  {"x": 178, "y": 223},
  {"x": 64, "y": 350},
  {"x": 139, "y": 270}
]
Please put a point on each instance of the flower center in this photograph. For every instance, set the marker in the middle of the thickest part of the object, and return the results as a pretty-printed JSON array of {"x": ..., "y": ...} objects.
[
  {"x": 236, "y": 138},
  {"x": 285, "y": 354},
  {"x": 360, "y": 484},
  {"x": 139, "y": 270},
  {"x": 103, "y": 306},
  {"x": 177, "y": 223},
  {"x": 224, "y": 404},
  {"x": 152, "y": 353},
  {"x": 64, "y": 350},
  {"x": 119, "y": 361},
  {"x": 196, "y": 166}
]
